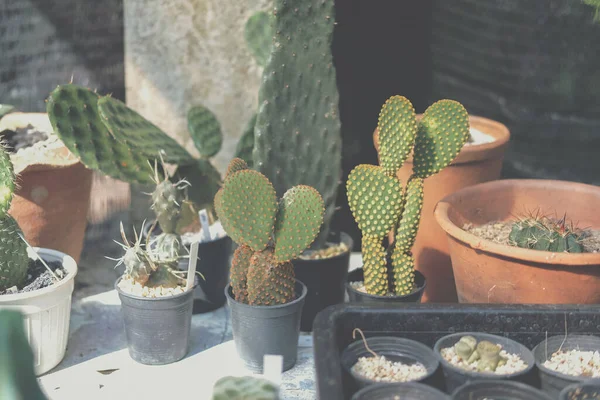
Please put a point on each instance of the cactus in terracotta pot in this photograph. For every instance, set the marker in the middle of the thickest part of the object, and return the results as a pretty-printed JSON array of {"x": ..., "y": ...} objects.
[
  {"x": 269, "y": 233},
  {"x": 540, "y": 233},
  {"x": 376, "y": 197}
]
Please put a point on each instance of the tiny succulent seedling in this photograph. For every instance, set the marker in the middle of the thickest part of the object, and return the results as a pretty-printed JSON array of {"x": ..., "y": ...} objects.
[
  {"x": 269, "y": 233},
  {"x": 376, "y": 197},
  {"x": 485, "y": 353}
]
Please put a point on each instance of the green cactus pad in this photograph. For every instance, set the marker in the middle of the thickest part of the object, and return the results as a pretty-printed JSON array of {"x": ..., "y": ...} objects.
[
  {"x": 235, "y": 165},
  {"x": 14, "y": 260},
  {"x": 6, "y": 109},
  {"x": 270, "y": 282},
  {"x": 259, "y": 36},
  {"x": 73, "y": 113},
  {"x": 375, "y": 199},
  {"x": 205, "y": 131},
  {"x": 245, "y": 145},
  {"x": 139, "y": 133},
  {"x": 248, "y": 205},
  {"x": 299, "y": 218},
  {"x": 7, "y": 181},
  {"x": 404, "y": 272},
  {"x": 442, "y": 133},
  {"x": 244, "y": 388},
  {"x": 397, "y": 131},
  {"x": 17, "y": 374},
  {"x": 374, "y": 265},
  {"x": 297, "y": 139},
  {"x": 411, "y": 215},
  {"x": 238, "y": 276}
]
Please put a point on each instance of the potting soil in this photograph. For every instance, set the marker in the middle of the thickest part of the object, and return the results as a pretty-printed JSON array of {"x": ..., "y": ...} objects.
[{"x": 38, "y": 277}]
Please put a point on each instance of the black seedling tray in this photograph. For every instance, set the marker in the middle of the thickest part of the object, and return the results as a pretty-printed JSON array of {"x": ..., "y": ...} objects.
[{"x": 527, "y": 324}]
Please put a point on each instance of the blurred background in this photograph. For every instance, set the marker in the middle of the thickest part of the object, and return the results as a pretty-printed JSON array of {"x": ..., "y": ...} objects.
[{"x": 532, "y": 65}]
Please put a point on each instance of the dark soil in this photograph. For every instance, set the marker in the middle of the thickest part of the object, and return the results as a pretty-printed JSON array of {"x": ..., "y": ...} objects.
[
  {"x": 38, "y": 276},
  {"x": 22, "y": 138}
]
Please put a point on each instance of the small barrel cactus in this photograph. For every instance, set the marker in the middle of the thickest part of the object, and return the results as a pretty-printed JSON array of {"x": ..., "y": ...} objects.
[
  {"x": 544, "y": 234},
  {"x": 269, "y": 233},
  {"x": 244, "y": 388},
  {"x": 375, "y": 194}
]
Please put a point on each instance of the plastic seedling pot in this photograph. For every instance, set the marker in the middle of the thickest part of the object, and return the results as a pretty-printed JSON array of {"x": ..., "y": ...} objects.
[
  {"x": 456, "y": 376},
  {"x": 261, "y": 330},
  {"x": 325, "y": 281},
  {"x": 157, "y": 329},
  {"x": 554, "y": 382},
  {"x": 403, "y": 391},
  {"x": 46, "y": 313},
  {"x": 498, "y": 390},
  {"x": 587, "y": 390},
  {"x": 356, "y": 296},
  {"x": 395, "y": 349}
]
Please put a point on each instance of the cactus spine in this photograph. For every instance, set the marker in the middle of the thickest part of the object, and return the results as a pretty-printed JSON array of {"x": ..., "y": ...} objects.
[
  {"x": 269, "y": 233},
  {"x": 375, "y": 194},
  {"x": 541, "y": 233},
  {"x": 297, "y": 134}
]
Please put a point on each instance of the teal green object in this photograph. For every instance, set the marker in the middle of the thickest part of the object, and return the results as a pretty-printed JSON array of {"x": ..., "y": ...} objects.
[
  {"x": 259, "y": 36},
  {"x": 297, "y": 138},
  {"x": 244, "y": 388},
  {"x": 17, "y": 376},
  {"x": 205, "y": 131},
  {"x": 6, "y": 109}
]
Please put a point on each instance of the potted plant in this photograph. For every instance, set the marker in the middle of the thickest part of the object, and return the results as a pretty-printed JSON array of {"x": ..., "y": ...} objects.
[
  {"x": 265, "y": 298},
  {"x": 492, "y": 389},
  {"x": 491, "y": 265},
  {"x": 480, "y": 160},
  {"x": 404, "y": 391},
  {"x": 380, "y": 204},
  {"x": 297, "y": 137},
  {"x": 53, "y": 195},
  {"x": 35, "y": 281},
  {"x": 586, "y": 390}
]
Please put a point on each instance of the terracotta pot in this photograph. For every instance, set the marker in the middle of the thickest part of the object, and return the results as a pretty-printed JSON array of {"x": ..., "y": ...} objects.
[
  {"x": 488, "y": 272},
  {"x": 475, "y": 164},
  {"x": 53, "y": 197}
]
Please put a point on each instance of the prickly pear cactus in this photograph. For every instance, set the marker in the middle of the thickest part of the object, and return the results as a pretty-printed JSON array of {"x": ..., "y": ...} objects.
[
  {"x": 269, "y": 281},
  {"x": 258, "y": 33},
  {"x": 245, "y": 145},
  {"x": 205, "y": 131},
  {"x": 297, "y": 134},
  {"x": 545, "y": 235},
  {"x": 244, "y": 388},
  {"x": 17, "y": 375},
  {"x": 238, "y": 276}
]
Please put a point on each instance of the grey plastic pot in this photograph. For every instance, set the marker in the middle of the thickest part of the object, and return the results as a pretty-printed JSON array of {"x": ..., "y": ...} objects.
[
  {"x": 261, "y": 330},
  {"x": 404, "y": 391},
  {"x": 498, "y": 389},
  {"x": 587, "y": 390},
  {"x": 553, "y": 382},
  {"x": 456, "y": 377},
  {"x": 157, "y": 329}
]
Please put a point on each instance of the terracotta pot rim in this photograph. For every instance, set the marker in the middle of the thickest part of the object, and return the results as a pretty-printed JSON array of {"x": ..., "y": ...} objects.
[{"x": 533, "y": 256}]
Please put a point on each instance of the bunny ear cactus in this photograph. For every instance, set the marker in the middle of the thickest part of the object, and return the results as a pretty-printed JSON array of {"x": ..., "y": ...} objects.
[
  {"x": 269, "y": 233},
  {"x": 297, "y": 135},
  {"x": 375, "y": 194}
]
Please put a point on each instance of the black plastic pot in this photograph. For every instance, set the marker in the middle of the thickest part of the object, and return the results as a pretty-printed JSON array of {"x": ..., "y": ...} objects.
[
  {"x": 325, "y": 281},
  {"x": 356, "y": 296},
  {"x": 456, "y": 377},
  {"x": 395, "y": 349},
  {"x": 157, "y": 329},
  {"x": 553, "y": 382},
  {"x": 261, "y": 330},
  {"x": 587, "y": 390},
  {"x": 498, "y": 390},
  {"x": 404, "y": 391}
]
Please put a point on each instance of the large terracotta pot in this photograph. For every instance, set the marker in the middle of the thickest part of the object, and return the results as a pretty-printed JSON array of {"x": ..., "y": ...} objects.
[
  {"x": 53, "y": 196},
  {"x": 488, "y": 272},
  {"x": 475, "y": 164}
]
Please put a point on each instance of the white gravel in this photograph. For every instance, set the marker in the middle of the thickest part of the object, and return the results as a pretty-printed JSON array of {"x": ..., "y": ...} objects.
[
  {"x": 514, "y": 363},
  {"x": 128, "y": 285},
  {"x": 380, "y": 369},
  {"x": 575, "y": 363}
]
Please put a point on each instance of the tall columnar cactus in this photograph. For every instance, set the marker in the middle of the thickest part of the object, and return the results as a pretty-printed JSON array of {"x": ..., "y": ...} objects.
[
  {"x": 540, "y": 233},
  {"x": 375, "y": 194},
  {"x": 14, "y": 259},
  {"x": 297, "y": 133},
  {"x": 269, "y": 233}
]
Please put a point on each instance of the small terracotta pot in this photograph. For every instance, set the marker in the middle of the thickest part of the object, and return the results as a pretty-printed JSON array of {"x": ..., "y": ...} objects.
[
  {"x": 488, "y": 272},
  {"x": 475, "y": 164},
  {"x": 53, "y": 197}
]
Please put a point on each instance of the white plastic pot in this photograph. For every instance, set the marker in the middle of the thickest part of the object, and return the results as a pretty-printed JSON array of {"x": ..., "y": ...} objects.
[{"x": 46, "y": 313}]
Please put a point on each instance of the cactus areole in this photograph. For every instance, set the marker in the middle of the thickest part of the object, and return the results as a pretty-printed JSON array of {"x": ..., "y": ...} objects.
[{"x": 377, "y": 198}]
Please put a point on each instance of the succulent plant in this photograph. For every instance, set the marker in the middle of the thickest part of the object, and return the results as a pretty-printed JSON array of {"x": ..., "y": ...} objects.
[
  {"x": 376, "y": 198},
  {"x": 244, "y": 388},
  {"x": 541, "y": 233},
  {"x": 13, "y": 249},
  {"x": 486, "y": 353},
  {"x": 269, "y": 233},
  {"x": 298, "y": 130},
  {"x": 17, "y": 375}
]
